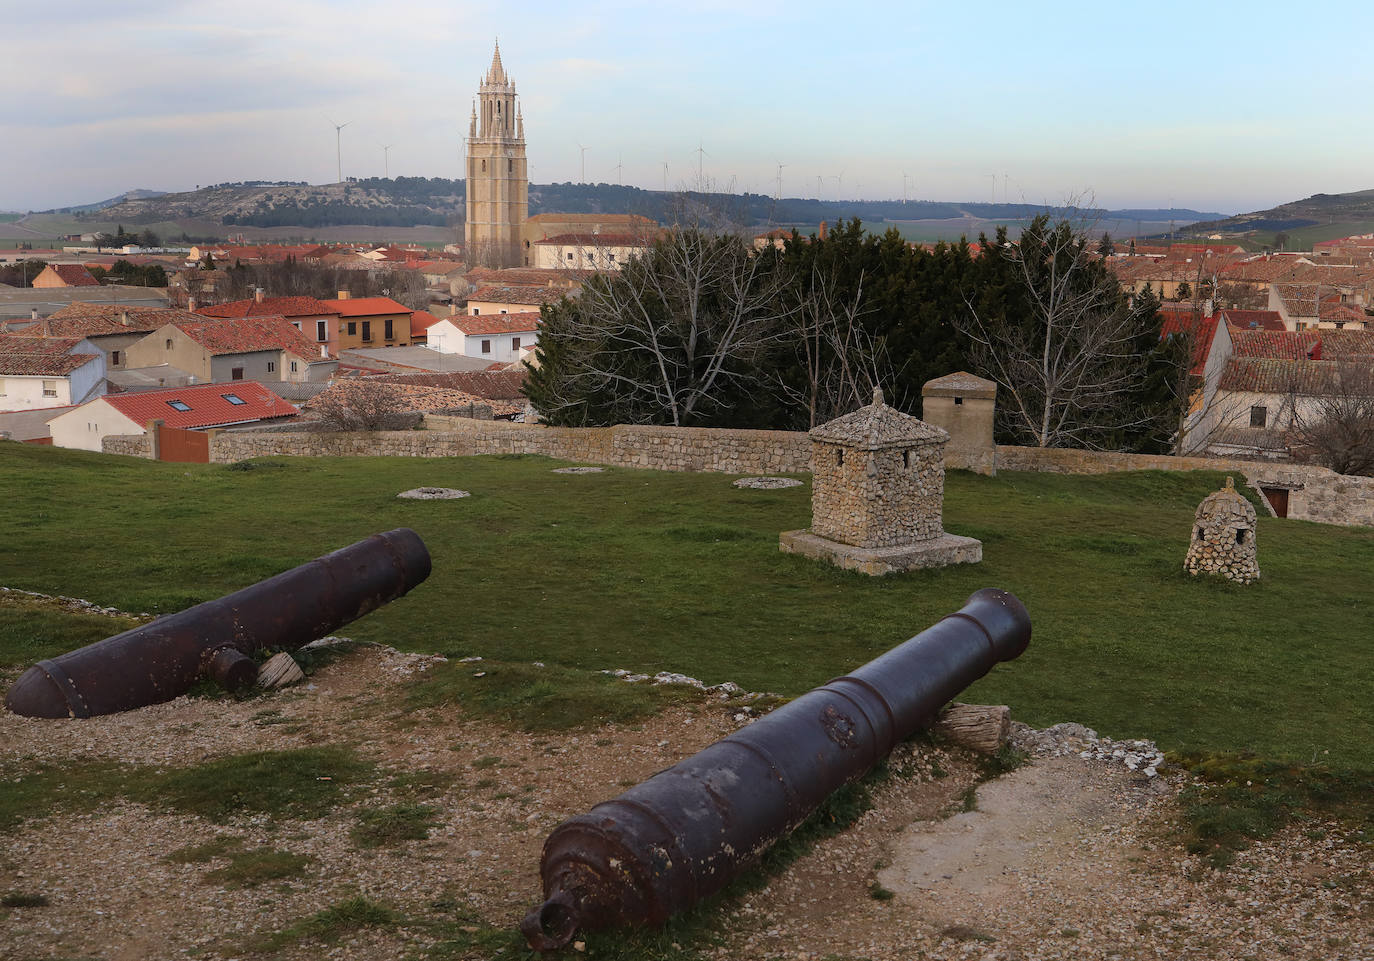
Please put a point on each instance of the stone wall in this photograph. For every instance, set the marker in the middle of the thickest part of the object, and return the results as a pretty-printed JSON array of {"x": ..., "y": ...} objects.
[
  {"x": 878, "y": 498},
  {"x": 131, "y": 445},
  {"x": 657, "y": 448}
]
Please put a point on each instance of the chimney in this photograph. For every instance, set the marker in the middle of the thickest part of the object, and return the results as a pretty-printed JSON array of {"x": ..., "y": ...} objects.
[
  {"x": 343, "y": 295},
  {"x": 191, "y": 304},
  {"x": 124, "y": 318},
  {"x": 822, "y": 232},
  {"x": 258, "y": 294},
  {"x": 33, "y": 313},
  {"x": 1207, "y": 307}
]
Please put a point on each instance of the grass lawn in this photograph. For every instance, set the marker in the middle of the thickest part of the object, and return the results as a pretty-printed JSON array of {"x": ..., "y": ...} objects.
[{"x": 655, "y": 571}]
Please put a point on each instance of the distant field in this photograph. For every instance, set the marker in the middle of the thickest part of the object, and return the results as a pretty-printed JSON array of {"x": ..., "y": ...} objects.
[
  {"x": 652, "y": 571},
  {"x": 43, "y": 230}
]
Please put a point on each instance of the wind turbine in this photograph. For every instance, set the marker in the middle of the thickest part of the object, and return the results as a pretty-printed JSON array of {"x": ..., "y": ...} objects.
[
  {"x": 584, "y": 163},
  {"x": 778, "y": 196},
  {"x": 386, "y": 159},
  {"x": 619, "y": 168},
  {"x": 839, "y": 185},
  {"x": 338, "y": 142},
  {"x": 819, "y": 191},
  {"x": 665, "y": 176},
  {"x": 700, "y": 152}
]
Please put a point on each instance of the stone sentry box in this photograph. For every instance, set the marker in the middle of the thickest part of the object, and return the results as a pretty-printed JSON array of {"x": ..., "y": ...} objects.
[
  {"x": 1223, "y": 540},
  {"x": 964, "y": 406},
  {"x": 877, "y": 499}
]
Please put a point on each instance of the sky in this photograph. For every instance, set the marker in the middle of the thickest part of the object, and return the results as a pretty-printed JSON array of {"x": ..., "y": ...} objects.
[{"x": 1222, "y": 106}]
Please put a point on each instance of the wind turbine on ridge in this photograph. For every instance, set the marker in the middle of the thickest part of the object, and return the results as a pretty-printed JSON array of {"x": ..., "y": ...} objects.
[{"x": 338, "y": 142}]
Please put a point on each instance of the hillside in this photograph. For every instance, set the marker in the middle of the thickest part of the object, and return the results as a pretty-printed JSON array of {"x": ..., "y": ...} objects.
[
  {"x": 415, "y": 201},
  {"x": 1316, "y": 218}
]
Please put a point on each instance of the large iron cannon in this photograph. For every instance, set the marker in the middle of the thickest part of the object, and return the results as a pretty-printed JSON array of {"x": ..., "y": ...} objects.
[
  {"x": 161, "y": 660},
  {"x": 688, "y": 831}
]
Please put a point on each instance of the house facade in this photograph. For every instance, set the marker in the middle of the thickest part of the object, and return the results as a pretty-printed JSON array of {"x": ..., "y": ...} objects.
[
  {"x": 234, "y": 350},
  {"x": 42, "y": 372},
  {"x": 370, "y": 321},
  {"x": 65, "y": 275},
  {"x": 499, "y": 338},
  {"x": 589, "y": 251},
  {"x": 313, "y": 318}
]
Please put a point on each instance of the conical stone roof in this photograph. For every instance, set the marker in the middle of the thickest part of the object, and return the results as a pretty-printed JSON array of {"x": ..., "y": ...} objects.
[
  {"x": 497, "y": 73},
  {"x": 878, "y": 426},
  {"x": 1226, "y": 503}
]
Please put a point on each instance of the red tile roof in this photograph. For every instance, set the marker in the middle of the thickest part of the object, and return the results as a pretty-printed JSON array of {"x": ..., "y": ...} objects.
[
  {"x": 421, "y": 321},
  {"x": 22, "y": 356},
  {"x": 209, "y": 405},
  {"x": 491, "y": 385},
  {"x": 93, "y": 320},
  {"x": 1202, "y": 330},
  {"x": 247, "y": 336},
  {"x": 528, "y": 276},
  {"x": 1346, "y": 344},
  {"x": 497, "y": 323},
  {"x": 74, "y": 275},
  {"x": 1267, "y": 376},
  {"x": 269, "y": 307},
  {"x": 516, "y": 295},
  {"x": 365, "y": 306},
  {"x": 1277, "y": 344},
  {"x": 599, "y": 240},
  {"x": 1254, "y": 319}
]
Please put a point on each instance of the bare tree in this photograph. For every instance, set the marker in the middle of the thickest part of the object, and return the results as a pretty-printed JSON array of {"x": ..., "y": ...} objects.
[
  {"x": 1336, "y": 429},
  {"x": 1066, "y": 361},
  {"x": 670, "y": 337},
  {"x": 843, "y": 362},
  {"x": 357, "y": 405}
]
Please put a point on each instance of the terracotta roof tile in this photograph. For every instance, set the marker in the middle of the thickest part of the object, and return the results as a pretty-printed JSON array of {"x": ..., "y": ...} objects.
[
  {"x": 269, "y": 307},
  {"x": 1201, "y": 329},
  {"x": 74, "y": 275},
  {"x": 208, "y": 404},
  {"x": 1277, "y": 344},
  {"x": 497, "y": 323},
  {"x": 1254, "y": 319},
  {"x": 247, "y": 336},
  {"x": 516, "y": 295},
  {"x": 493, "y": 385},
  {"x": 1268, "y": 376},
  {"x": 365, "y": 306},
  {"x": 22, "y": 356}
]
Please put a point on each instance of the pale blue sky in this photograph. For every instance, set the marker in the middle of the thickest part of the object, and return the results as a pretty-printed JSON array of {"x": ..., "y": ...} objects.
[{"x": 1223, "y": 106}]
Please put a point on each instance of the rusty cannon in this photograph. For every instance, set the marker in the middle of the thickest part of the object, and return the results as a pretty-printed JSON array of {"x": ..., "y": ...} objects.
[
  {"x": 686, "y": 832},
  {"x": 161, "y": 660}
]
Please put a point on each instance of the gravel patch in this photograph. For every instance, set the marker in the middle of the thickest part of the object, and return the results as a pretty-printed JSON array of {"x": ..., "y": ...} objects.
[
  {"x": 767, "y": 483},
  {"x": 432, "y": 494}
]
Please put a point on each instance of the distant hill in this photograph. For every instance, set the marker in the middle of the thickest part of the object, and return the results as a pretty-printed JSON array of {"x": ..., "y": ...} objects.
[
  {"x": 86, "y": 208},
  {"x": 1316, "y": 218},
  {"x": 414, "y": 201}
]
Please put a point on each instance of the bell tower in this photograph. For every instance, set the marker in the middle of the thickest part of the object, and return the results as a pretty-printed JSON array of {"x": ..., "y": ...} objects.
[{"x": 497, "y": 176}]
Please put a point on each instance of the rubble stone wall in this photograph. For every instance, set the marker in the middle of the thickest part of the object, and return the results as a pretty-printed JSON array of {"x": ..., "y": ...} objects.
[
  {"x": 131, "y": 445},
  {"x": 882, "y": 498}
]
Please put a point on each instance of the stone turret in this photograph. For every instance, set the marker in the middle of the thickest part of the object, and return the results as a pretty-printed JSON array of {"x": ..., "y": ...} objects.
[
  {"x": 964, "y": 405},
  {"x": 877, "y": 499},
  {"x": 1223, "y": 541}
]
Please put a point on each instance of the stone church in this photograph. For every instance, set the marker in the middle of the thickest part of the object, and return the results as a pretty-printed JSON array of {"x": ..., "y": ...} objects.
[{"x": 497, "y": 175}]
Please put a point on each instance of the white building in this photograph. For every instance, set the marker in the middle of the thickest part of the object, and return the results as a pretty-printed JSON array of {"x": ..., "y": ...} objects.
[
  {"x": 498, "y": 338},
  {"x": 39, "y": 372},
  {"x": 589, "y": 251}
]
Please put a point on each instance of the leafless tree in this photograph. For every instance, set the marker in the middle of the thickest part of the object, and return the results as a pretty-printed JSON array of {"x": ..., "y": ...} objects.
[
  {"x": 677, "y": 329},
  {"x": 1336, "y": 429},
  {"x": 357, "y": 405},
  {"x": 843, "y": 362},
  {"x": 1065, "y": 364}
]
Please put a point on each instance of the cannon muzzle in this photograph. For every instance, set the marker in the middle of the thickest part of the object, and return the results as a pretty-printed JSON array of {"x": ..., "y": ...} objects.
[
  {"x": 688, "y": 831},
  {"x": 163, "y": 659}
]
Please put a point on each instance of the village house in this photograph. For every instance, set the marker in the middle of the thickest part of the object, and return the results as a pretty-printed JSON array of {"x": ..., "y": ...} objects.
[
  {"x": 589, "y": 251},
  {"x": 41, "y": 372},
  {"x": 201, "y": 407},
  {"x": 113, "y": 328},
  {"x": 314, "y": 318},
  {"x": 495, "y": 337},
  {"x": 1315, "y": 307},
  {"x": 370, "y": 321},
  {"x": 511, "y": 300},
  {"x": 235, "y": 350},
  {"x": 65, "y": 275}
]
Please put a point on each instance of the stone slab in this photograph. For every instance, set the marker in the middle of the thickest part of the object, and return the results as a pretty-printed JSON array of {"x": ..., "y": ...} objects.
[{"x": 937, "y": 552}]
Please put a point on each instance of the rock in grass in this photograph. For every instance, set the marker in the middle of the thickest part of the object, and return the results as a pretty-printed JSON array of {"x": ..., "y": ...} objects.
[{"x": 280, "y": 670}]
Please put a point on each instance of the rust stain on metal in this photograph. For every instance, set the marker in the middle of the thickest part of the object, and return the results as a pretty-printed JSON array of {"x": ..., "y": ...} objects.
[
  {"x": 159, "y": 661},
  {"x": 686, "y": 832}
]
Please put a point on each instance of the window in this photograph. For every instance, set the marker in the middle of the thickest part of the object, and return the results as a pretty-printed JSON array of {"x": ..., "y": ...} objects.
[
  {"x": 236, "y": 373},
  {"x": 515, "y": 343},
  {"x": 505, "y": 311},
  {"x": 169, "y": 343},
  {"x": 1258, "y": 416},
  {"x": 271, "y": 366},
  {"x": 49, "y": 388},
  {"x": 839, "y": 457},
  {"x": 476, "y": 312},
  {"x": 570, "y": 255},
  {"x": 352, "y": 328},
  {"x": 389, "y": 332},
  {"x": 293, "y": 366},
  {"x": 180, "y": 405},
  {"x": 958, "y": 402},
  {"x": 611, "y": 257},
  {"x": 906, "y": 458},
  {"x": 114, "y": 357},
  {"x": 486, "y": 347},
  {"x": 1240, "y": 536},
  {"x": 367, "y": 330},
  {"x": 234, "y": 399},
  {"x": 321, "y": 331},
  {"x": 296, "y": 324}
]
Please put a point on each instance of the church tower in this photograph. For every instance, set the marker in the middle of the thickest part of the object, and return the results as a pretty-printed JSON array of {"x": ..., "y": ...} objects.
[{"x": 497, "y": 178}]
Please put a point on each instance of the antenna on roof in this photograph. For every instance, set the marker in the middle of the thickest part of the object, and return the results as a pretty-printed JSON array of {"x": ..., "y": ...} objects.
[{"x": 338, "y": 142}]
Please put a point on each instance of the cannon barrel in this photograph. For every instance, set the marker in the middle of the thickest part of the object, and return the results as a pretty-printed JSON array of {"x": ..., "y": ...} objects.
[
  {"x": 161, "y": 660},
  {"x": 686, "y": 832}
]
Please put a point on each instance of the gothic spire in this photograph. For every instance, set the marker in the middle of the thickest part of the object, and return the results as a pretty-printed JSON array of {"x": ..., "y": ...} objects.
[{"x": 497, "y": 73}]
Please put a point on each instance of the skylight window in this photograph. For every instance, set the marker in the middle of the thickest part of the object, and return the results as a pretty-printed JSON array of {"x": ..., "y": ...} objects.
[
  {"x": 178, "y": 405},
  {"x": 234, "y": 399}
]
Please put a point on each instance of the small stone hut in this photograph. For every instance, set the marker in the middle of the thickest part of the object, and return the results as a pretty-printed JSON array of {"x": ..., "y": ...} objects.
[
  {"x": 877, "y": 498},
  {"x": 964, "y": 405},
  {"x": 1223, "y": 541}
]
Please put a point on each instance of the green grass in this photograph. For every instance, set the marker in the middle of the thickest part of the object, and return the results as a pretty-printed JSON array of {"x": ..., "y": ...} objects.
[
  {"x": 201, "y": 853},
  {"x": 32, "y": 629},
  {"x": 390, "y": 826},
  {"x": 300, "y": 783},
  {"x": 20, "y": 899},
  {"x": 254, "y": 866},
  {"x": 658, "y": 571}
]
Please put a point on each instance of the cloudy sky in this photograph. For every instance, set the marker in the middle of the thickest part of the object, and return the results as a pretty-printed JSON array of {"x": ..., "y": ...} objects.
[{"x": 1215, "y": 106}]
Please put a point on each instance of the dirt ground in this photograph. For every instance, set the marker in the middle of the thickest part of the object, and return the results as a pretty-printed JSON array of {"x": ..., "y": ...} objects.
[{"x": 1062, "y": 858}]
